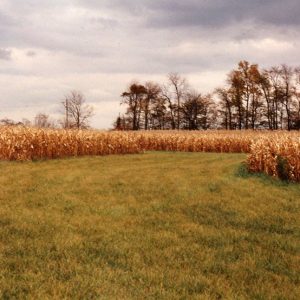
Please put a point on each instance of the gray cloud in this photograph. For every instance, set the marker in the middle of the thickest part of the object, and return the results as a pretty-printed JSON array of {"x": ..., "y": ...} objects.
[
  {"x": 52, "y": 46},
  {"x": 204, "y": 12},
  {"x": 5, "y": 54},
  {"x": 223, "y": 13}
]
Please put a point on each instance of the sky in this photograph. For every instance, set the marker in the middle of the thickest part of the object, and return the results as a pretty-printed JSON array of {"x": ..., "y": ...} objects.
[{"x": 50, "y": 47}]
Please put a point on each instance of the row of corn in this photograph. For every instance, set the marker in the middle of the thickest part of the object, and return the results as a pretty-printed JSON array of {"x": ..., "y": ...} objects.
[{"x": 275, "y": 153}]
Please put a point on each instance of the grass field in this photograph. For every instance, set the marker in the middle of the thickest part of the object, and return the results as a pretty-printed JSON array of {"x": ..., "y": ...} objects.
[{"x": 154, "y": 225}]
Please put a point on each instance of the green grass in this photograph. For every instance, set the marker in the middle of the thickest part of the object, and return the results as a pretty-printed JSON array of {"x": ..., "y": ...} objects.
[{"x": 155, "y": 226}]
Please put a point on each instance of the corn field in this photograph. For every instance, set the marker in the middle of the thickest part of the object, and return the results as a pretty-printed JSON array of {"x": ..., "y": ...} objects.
[{"x": 275, "y": 153}]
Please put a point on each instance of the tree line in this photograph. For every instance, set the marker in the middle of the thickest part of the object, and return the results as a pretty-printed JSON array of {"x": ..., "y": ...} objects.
[{"x": 253, "y": 98}]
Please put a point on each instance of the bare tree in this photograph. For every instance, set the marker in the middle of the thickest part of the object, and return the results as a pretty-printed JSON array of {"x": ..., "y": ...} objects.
[
  {"x": 167, "y": 98},
  {"x": 226, "y": 107},
  {"x": 286, "y": 74},
  {"x": 245, "y": 80},
  {"x": 77, "y": 112},
  {"x": 277, "y": 92},
  {"x": 235, "y": 79},
  {"x": 178, "y": 87},
  {"x": 266, "y": 89},
  {"x": 43, "y": 120},
  {"x": 296, "y": 102}
]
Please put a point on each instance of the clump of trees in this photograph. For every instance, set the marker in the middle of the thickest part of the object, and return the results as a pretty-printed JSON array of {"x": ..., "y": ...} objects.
[
  {"x": 253, "y": 98},
  {"x": 10, "y": 122},
  {"x": 173, "y": 105}
]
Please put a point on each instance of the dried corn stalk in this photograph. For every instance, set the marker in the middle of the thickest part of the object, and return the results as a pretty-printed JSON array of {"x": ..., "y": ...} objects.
[{"x": 275, "y": 153}]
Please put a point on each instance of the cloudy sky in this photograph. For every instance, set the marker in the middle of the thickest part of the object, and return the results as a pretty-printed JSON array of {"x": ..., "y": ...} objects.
[{"x": 49, "y": 47}]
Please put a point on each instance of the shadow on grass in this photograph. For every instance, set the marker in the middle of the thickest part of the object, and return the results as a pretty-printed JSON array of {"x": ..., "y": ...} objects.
[{"x": 243, "y": 172}]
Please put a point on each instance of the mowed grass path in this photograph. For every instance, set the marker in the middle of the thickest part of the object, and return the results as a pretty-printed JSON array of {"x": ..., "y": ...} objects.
[{"x": 155, "y": 226}]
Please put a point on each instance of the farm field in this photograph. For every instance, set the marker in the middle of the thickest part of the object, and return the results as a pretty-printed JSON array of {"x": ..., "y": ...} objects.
[
  {"x": 276, "y": 153},
  {"x": 158, "y": 225}
]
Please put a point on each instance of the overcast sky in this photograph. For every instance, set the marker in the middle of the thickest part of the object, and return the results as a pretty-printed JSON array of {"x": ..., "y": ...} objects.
[{"x": 50, "y": 47}]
